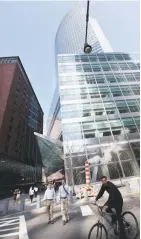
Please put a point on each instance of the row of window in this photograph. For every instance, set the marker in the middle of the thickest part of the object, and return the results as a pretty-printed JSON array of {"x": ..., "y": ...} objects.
[
  {"x": 98, "y": 67},
  {"x": 101, "y": 129},
  {"x": 101, "y": 124},
  {"x": 95, "y": 106},
  {"x": 101, "y": 92},
  {"x": 99, "y": 78},
  {"x": 121, "y": 108},
  {"x": 94, "y": 58}
]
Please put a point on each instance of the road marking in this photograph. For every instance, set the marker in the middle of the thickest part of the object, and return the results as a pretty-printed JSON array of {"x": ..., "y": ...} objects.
[
  {"x": 9, "y": 218},
  {"x": 9, "y": 235},
  {"x": 23, "y": 230},
  {"x": 12, "y": 227},
  {"x": 86, "y": 211},
  {"x": 8, "y": 229},
  {"x": 10, "y": 222}
]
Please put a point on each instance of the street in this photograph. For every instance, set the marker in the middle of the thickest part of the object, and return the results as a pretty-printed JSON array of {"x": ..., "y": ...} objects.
[
  {"x": 34, "y": 223},
  {"x": 81, "y": 220}
]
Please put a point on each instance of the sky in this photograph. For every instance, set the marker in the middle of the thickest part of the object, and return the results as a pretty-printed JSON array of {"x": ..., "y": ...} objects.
[{"x": 28, "y": 29}]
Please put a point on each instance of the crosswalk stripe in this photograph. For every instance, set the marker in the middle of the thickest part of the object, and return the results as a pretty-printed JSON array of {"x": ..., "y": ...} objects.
[
  {"x": 9, "y": 223},
  {"x": 9, "y": 218},
  {"x": 23, "y": 230},
  {"x": 9, "y": 235},
  {"x": 86, "y": 211},
  {"x": 9, "y": 229}
]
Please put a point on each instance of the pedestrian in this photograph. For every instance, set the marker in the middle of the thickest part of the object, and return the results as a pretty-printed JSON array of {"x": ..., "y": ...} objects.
[
  {"x": 49, "y": 198},
  {"x": 15, "y": 196},
  {"x": 63, "y": 196},
  {"x": 31, "y": 193},
  {"x": 35, "y": 191},
  {"x": 18, "y": 196}
]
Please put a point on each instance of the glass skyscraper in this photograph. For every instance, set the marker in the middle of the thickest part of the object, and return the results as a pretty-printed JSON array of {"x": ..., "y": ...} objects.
[
  {"x": 96, "y": 102},
  {"x": 99, "y": 95},
  {"x": 70, "y": 36}
]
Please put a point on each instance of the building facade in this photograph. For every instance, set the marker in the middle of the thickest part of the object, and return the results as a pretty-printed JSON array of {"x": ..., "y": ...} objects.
[
  {"x": 20, "y": 116},
  {"x": 100, "y": 116}
]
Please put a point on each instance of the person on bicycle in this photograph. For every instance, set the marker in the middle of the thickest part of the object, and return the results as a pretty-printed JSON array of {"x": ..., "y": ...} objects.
[{"x": 115, "y": 201}]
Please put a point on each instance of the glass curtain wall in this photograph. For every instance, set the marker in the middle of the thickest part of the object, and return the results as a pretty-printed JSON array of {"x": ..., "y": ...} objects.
[{"x": 100, "y": 111}]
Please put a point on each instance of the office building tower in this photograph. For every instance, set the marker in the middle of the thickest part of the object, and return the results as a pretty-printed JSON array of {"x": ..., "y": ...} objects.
[
  {"x": 70, "y": 36},
  {"x": 100, "y": 116},
  {"x": 20, "y": 116}
]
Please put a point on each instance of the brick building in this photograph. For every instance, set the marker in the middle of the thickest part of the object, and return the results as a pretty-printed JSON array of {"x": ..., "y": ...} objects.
[{"x": 20, "y": 114}]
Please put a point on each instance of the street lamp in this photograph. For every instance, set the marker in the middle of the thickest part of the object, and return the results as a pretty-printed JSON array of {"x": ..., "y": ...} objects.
[{"x": 87, "y": 47}]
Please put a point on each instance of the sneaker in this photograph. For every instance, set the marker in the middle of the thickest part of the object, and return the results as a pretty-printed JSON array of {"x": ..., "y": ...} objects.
[
  {"x": 49, "y": 222},
  {"x": 67, "y": 220},
  {"x": 64, "y": 222}
]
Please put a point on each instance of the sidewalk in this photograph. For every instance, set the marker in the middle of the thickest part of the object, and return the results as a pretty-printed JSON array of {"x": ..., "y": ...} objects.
[{"x": 15, "y": 208}]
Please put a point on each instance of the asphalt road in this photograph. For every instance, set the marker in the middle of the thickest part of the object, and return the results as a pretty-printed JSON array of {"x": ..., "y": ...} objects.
[{"x": 78, "y": 226}]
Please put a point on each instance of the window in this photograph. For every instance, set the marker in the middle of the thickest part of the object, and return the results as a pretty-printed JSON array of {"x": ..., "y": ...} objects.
[
  {"x": 129, "y": 76},
  {"x": 84, "y": 58},
  {"x": 87, "y": 68},
  {"x": 119, "y": 57},
  {"x": 123, "y": 66},
  {"x": 115, "y": 91},
  {"x": 132, "y": 104},
  {"x": 126, "y": 57},
  {"x": 105, "y": 67},
  {"x": 126, "y": 90},
  {"x": 93, "y": 58},
  {"x": 120, "y": 77},
  {"x": 110, "y": 78},
  {"x": 122, "y": 107},
  {"x": 135, "y": 89},
  {"x": 102, "y": 58},
  {"x": 137, "y": 75},
  {"x": 110, "y": 57},
  {"x": 132, "y": 66},
  {"x": 100, "y": 78}
]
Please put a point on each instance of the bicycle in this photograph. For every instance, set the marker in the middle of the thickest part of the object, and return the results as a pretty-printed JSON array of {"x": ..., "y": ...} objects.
[{"x": 101, "y": 230}]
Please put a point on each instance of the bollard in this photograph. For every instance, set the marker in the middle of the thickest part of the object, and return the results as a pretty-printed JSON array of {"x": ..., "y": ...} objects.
[
  {"x": 22, "y": 202},
  {"x": 38, "y": 204},
  {"x": 86, "y": 195},
  {"x": 71, "y": 197},
  {"x": 5, "y": 208}
]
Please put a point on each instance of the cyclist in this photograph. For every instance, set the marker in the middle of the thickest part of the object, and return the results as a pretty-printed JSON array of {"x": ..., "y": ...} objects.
[{"x": 115, "y": 201}]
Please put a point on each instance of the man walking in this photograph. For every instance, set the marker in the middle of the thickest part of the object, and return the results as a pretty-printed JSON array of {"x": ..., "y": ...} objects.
[
  {"x": 49, "y": 197},
  {"x": 63, "y": 196}
]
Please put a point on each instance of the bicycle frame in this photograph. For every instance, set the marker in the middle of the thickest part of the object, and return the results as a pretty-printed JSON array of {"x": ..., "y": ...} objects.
[{"x": 102, "y": 215}]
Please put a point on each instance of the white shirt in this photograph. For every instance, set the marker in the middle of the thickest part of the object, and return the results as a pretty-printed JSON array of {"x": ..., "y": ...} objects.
[
  {"x": 35, "y": 189},
  {"x": 31, "y": 191},
  {"x": 63, "y": 192},
  {"x": 49, "y": 194}
]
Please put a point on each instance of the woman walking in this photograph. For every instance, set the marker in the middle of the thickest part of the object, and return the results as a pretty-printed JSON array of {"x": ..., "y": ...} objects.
[{"x": 31, "y": 193}]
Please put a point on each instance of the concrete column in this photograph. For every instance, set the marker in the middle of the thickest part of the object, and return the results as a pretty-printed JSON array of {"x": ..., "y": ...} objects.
[
  {"x": 38, "y": 204},
  {"x": 22, "y": 202},
  {"x": 5, "y": 206}
]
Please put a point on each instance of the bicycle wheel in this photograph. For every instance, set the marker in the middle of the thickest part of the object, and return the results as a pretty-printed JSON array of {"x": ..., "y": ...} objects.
[
  {"x": 131, "y": 226},
  {"x": 98, "y": 231}
]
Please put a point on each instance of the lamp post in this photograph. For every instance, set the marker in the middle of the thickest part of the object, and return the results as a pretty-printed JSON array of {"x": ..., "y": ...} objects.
[{"x": 87, "y": 47}]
